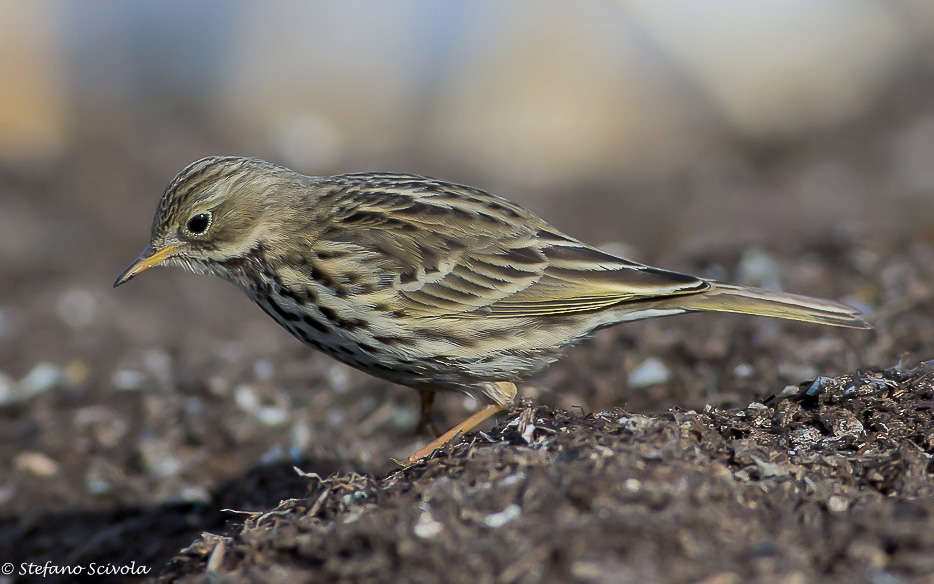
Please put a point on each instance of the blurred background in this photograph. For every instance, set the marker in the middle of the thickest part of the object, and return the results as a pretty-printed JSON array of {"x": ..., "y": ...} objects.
[
  {"x": 658, "y": 114},
  {"x": 781, "y": 143}
]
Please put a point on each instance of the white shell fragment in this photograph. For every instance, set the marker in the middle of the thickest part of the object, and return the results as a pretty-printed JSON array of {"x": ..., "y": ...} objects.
[
  {"x": 650, "y": 372},
  {"x": 500, "y": 519}
]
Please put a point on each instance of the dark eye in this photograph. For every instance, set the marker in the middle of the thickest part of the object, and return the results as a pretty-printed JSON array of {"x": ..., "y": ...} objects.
[{"x": 199, "y": 223}]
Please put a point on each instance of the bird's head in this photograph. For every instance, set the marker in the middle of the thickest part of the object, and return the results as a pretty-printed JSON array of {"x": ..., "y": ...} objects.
[{"x": 211, "y": 216}]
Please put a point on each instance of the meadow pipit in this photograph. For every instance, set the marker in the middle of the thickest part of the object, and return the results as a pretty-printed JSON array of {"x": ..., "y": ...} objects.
[{"x": 422, "y": 282}]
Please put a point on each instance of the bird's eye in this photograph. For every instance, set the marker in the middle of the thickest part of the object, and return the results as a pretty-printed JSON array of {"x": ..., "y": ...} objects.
[{"x": 199, "y": 223}]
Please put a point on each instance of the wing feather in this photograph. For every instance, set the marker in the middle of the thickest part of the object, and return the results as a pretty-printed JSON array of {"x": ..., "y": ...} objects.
[{"x": 455, "y": 252}]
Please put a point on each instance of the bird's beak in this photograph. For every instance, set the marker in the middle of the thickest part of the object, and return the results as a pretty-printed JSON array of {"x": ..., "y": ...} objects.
[{"x": 149, "y": 258}]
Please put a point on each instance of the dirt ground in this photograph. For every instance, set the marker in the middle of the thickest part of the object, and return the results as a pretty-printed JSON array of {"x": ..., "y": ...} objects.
[
  {"x": 159, "y": 426},
  {"x": 831, "y": 484}
]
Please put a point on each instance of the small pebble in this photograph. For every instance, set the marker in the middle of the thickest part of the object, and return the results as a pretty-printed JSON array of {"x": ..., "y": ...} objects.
[
  {"x": 817, "y": 387},
  {"x": 272, "y": 416},
  {"x": 513, "y": 479},
  {"x": 42, "y": 377},
  {"x": 98, "y": 486},
  {"x": 758, "y": 268},
  {"x": 591, "y": 571},
  {"x": 426, "y": 527},
  {"x": 743, "y": 370},
  {"x": 35, "y": 463},
  {"x": 158, "y": 460},
  {"x": 650, "y": 372},
  {"x": 245, "y": 398},
  {"x": 336, "y": 418},
  {"x": 194, "y": 494},
  {"x": 77, "y": 308},
  {"x": 770, "y": 469},
  {"x": 90, "y": 415},
  {"x": 505, "y": 516},
  {"x": 635, "y": 422},
  {"x": 218, "y": 385},
  {"x": 300, "y": 437},
  {"x": 107, "y": 428},
  {"x": 837, "y": 504},
  {"x": 273, "y": 455},
  {"x": 163, "y": 466},
  {"x": 263, "y": 369},
  {"x": 77, "y": 372},
  {"x": 401, "y": 417},
  {"x": 352, "y": 516},
  {"x": 338, "y": 378},
  {"x": 126, "y": 379}
]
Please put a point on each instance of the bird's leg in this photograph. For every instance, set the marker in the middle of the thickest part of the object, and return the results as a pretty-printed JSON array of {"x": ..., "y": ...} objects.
[
  {"x": 426, "y": 399},
  {"x": 470, "y": 423},
  {"x": 503, "y": 391}
]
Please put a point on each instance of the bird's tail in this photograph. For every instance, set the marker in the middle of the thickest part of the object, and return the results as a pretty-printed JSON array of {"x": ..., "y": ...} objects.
[{"x": 743, "y": 300}]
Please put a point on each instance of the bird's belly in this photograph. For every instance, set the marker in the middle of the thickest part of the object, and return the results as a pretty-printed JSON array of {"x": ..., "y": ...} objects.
[
  {"x": 310, "y": 324},
  {"x": 437, "y": 354}
]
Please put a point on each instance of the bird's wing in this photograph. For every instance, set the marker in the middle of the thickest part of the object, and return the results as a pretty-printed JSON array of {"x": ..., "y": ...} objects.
[
  {"x": 453, "y": 252},
  {"x": 439, "y": 249},
  {"x": 525, "y": 277},
  {"x": 580, "y": 278}
]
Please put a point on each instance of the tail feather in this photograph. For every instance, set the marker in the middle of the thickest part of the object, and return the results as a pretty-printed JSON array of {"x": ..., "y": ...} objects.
[{"x": 740, "y": 299}]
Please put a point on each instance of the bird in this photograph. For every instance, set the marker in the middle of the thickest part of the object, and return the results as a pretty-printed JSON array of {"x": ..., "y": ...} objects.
[{"x": 422, "y": 282}]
